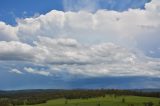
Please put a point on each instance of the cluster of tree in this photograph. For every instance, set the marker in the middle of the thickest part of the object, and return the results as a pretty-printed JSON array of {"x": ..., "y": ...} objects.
[
  {"x": 84, "y": 94},
  {"x": 31, "y": 97},
  {"x": 17, "y": 102},
  {"x": 132, "y": 92},
  {"x": 4, "y": 102}
]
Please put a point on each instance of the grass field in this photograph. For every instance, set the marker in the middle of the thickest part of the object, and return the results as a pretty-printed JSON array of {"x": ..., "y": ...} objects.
[{"x": 106, "y": 101}]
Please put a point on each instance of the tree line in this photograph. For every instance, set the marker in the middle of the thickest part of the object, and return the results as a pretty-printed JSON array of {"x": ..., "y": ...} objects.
[{"x": 30, "y": 97}]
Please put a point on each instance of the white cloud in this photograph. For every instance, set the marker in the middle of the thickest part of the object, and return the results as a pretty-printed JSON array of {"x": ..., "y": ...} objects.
[
  {"x": 103, "y": 26},
  {"x": 153, "y": 6},
  {"x": 15, "y": 50},
  {"x": 16, "y": 71},
  {"x": 124, "y": 28},
  {"x": 7, "y": 32},
  {"x": 104, "y": 43},
  {"x": 33, "y": 71},
  {"x": 66, "y": 55}
]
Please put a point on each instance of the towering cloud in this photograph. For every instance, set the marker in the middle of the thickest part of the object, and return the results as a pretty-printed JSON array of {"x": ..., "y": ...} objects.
[{"x": 104, "y": 43}]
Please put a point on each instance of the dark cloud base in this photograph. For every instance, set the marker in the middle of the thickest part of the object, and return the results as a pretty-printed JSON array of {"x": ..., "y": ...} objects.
[{"x": 42, "y": 82}]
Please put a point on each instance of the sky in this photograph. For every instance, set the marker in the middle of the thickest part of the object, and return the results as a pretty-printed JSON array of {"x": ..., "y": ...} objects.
[{"x": 67, "y": 44}]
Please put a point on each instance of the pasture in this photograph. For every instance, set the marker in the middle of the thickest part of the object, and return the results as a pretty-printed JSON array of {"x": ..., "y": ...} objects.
[{"x": 108, "y": 100}]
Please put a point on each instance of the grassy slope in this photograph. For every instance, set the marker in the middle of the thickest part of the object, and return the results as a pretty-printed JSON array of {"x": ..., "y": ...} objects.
[{"x": 107, "y": 101}]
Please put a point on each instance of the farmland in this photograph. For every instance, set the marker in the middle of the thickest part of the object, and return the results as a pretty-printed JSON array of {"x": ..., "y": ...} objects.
[
  {"x": 77, "y": 97},
  {"x": 108, "y": 100}
]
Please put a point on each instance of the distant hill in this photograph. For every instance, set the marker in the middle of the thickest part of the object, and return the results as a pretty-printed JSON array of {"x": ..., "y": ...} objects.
[
  {"x": 55, "y": 90},
  {"x": 147, "y": 90}
]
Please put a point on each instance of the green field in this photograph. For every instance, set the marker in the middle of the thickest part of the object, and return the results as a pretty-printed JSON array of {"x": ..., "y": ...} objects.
[{"x": 103, "y": 101}]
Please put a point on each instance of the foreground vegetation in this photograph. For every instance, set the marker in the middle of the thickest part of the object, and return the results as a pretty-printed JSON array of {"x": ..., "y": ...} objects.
[
  {"x": 100, "y": 97},
  {"x": 105, "y": 101}
]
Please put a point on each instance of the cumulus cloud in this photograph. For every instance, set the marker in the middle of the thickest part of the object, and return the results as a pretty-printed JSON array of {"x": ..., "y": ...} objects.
[
  {"x": 105, "y": 43},
  {"x": 117, "y": 27},
  {"x": 66, "y": 55},
  {"x": 154, "y": 6},
  {"x": 15, "y": 50},
  {"x": 7, "y": 32},
  {"x": 103, "y": 26}
]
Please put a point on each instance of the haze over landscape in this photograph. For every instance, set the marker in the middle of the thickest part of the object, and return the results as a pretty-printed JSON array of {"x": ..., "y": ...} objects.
[{"x": 67, "y": 44}]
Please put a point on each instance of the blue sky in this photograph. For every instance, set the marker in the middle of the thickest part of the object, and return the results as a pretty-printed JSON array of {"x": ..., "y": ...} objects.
[
  {"x": 10, "y": 10},
  {"x": 79, "y": 44}
]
